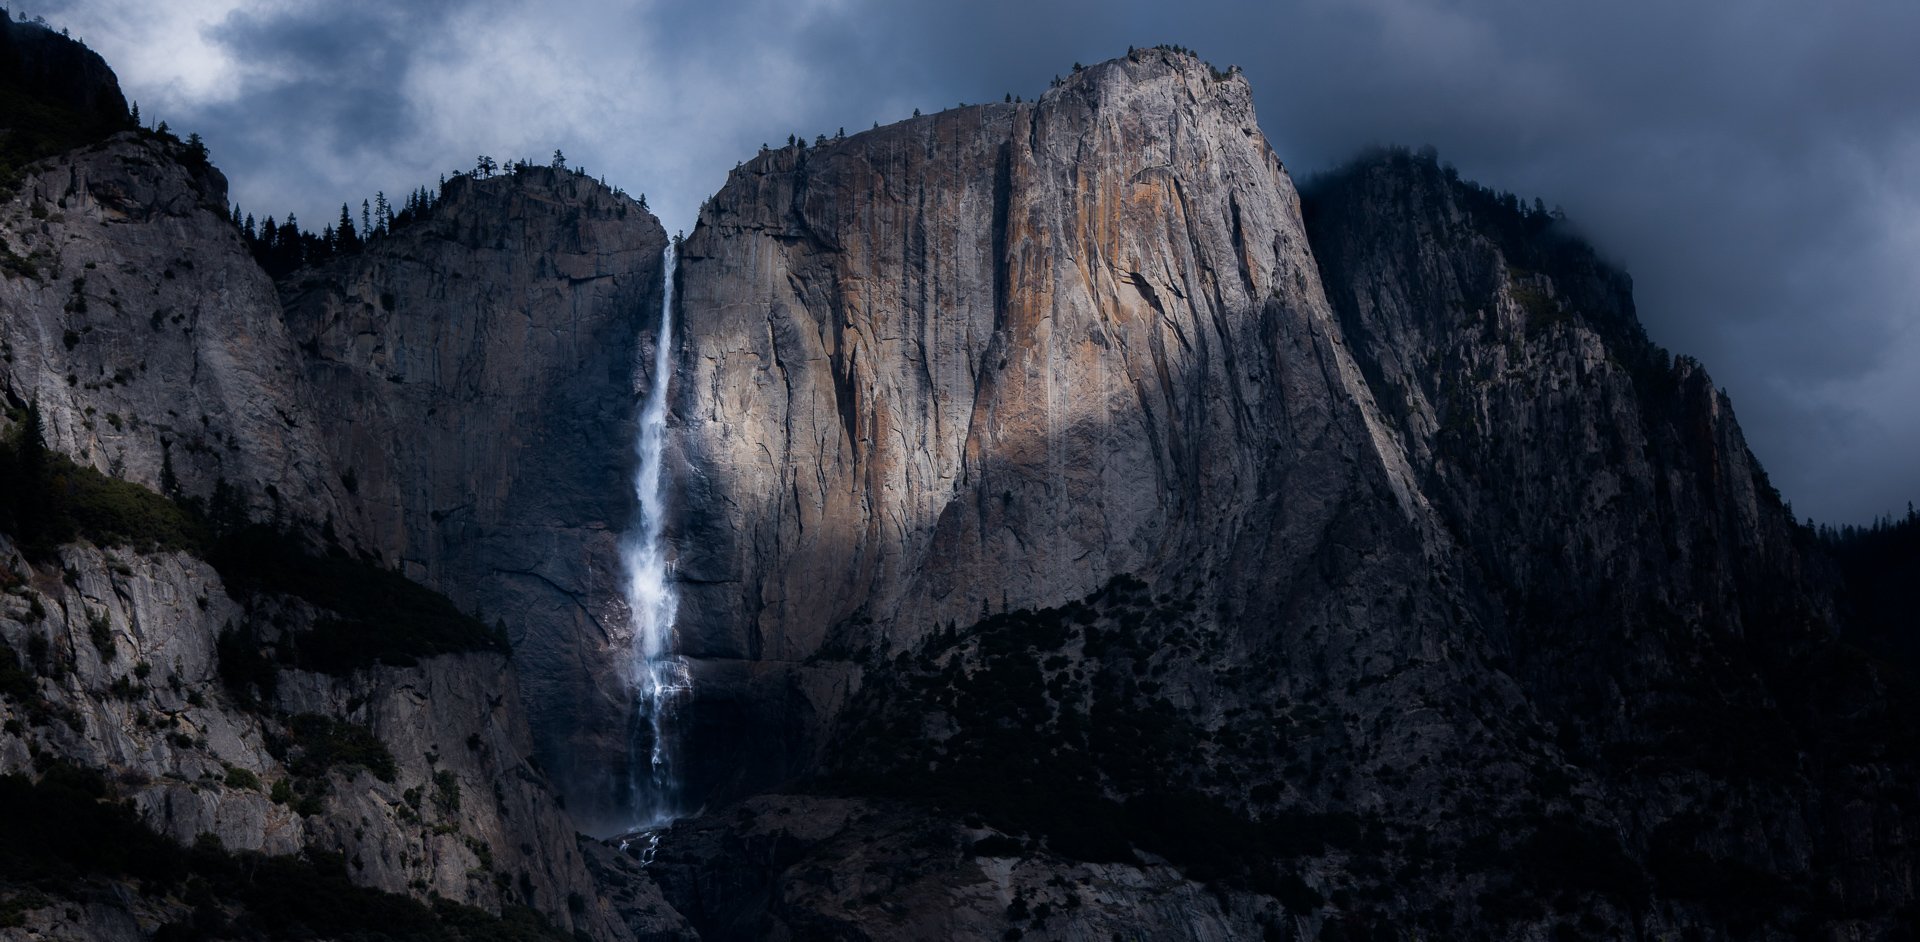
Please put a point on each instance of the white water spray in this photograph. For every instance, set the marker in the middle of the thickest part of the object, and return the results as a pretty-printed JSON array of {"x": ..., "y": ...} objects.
[{"x": 657, "y": 675}]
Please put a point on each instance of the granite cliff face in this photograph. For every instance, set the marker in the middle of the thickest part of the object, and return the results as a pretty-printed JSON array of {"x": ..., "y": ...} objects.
[
  {"x": 1051, "y": 476},
  {"x": 1653, "y": 595},
  {"x": 148, "y": 336},
  {"x": 478, "y": 369},
  {"x": 130, "y": 647},
  {"x": 452, "y": 403},
  {"x": 1079, "y": 532},
  {"x": 1604, "y": 488},
  {"x": 990, "y": 358}
]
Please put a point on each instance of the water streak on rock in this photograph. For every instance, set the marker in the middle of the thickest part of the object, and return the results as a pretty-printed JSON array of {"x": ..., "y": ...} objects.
[{"x": 657, "y": 675}]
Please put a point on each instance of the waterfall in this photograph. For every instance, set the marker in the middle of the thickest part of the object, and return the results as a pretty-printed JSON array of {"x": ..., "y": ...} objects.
[{"x": 657, "y": 675}]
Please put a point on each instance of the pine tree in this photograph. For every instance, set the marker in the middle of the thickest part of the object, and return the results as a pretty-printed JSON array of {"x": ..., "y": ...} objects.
[
  {"x": 32, "y": 448},
  {"x": 36, "y": 501},
  {"x": 290, "y": 249},
  {"x": 169, "y": 481},
  {"x": 226, "y": 509},
  {"x": 347, "y": 239}
]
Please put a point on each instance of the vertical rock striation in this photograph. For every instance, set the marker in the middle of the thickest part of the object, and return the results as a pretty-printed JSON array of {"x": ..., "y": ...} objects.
[
  {"x": 990, "y": 358},
  {"x": 479, "y": 371},
  {"x": 1038, "y": 480},
  {"x": 1098, "y": 535},
  {"x": 454, "y": 401},
  {"x": 1651, "y": 592}
]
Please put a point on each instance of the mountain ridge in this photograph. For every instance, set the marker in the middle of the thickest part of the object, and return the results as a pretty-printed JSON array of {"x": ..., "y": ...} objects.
[{"x": 1081, "y": 531}]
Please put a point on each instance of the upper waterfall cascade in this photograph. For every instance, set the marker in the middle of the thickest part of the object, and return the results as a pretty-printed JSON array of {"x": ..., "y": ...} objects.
[{"x": 657, "y": 675}]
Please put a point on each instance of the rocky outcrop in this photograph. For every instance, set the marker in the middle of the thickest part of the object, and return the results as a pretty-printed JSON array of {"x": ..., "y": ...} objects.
[
  {"x": 1655, "y": 597},
  {"x": 991, "y": 357},
  {"x": 125, "y": 647},
  {"x": 1035, "y": 476},
  {"x": 1603, "y": 486},
  {"x": 56, "y": 74},
  {"x": 478, "y": 371},
  {"x": 455, "y": 401},
  {"x": 149, "y": 338},
  {"x": 838, "y": 868},
  {"x": 1077, "y": 534}
]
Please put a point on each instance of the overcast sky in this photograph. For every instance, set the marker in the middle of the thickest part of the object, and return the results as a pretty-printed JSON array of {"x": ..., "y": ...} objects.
[{"x": 1754, "y": 165}]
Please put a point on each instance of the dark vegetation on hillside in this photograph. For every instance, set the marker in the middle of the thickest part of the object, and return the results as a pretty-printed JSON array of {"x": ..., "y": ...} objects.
[
  {"x": 1073, "y": 757},
  {"x": 1880, "y": 569},
  {"x": 282, "y": 247},
  {"x": 372, "y": 615},
  {"x": 1054, "y": 726},
  {"x": 67, "y": 839}
]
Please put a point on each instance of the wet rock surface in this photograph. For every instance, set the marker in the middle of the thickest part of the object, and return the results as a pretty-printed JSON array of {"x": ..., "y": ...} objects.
[
  {"x": 479, "y": 373},
  {"x": 474, "y": 439}
]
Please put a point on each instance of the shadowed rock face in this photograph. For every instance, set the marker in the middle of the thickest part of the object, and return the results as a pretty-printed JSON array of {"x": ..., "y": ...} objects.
[
  {"x": 1449, "y": 578},
  {"x": 54, "y": 71},
  {"x": 478, "y": 371},
  {"x": 1072, "y": 521},
  {"x": 1602, "y": 487},
  {"x": 455, "y": 401},
  {"x": 158, "y": 352},
  {"x": 990, "y": 358},
  {"x": 449, "y": 725}
]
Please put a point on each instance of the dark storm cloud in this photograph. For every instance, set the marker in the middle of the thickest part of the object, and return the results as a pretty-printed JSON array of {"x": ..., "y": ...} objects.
[
  {"x": 341, "y": 73},
  {"x": 324, "y": 98},
  {"x": 1756, "y": 166}
]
